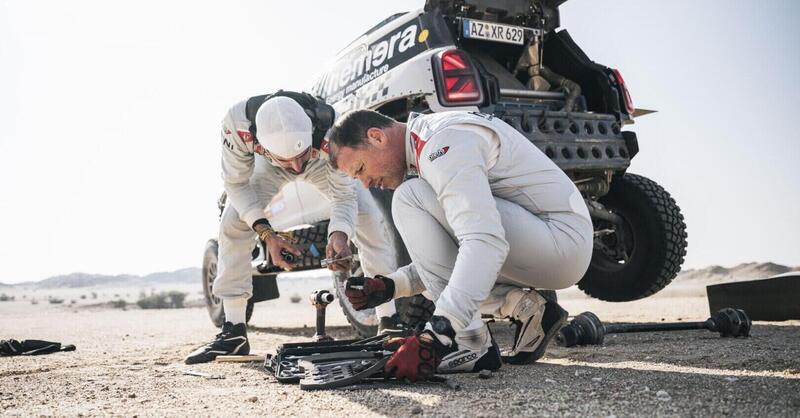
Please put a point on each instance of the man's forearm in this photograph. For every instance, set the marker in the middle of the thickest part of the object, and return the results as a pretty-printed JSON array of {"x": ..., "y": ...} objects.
[
  {"x": 406, "y": 282},
  {"x": 264, "y": 230},
  {"x": 243, "y": 198}
]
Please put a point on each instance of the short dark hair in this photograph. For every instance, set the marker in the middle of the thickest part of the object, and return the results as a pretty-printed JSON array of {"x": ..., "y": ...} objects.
[{"x": 350, "y": 130}]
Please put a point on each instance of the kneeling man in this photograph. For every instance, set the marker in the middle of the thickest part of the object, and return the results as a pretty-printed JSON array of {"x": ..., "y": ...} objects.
[
  {"x": 267, "y": 142},
  {"x": 488, "y": 218}
]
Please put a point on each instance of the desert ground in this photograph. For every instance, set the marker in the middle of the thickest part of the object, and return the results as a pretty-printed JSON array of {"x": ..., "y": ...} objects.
[{"x": 129, "y": 363}]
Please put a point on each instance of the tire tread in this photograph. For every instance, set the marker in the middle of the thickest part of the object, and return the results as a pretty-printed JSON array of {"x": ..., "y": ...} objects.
[{"x": 671, "y": 250}]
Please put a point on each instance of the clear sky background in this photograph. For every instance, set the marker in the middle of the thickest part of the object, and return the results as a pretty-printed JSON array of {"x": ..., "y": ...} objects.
[{"x": 110, "y": 112}]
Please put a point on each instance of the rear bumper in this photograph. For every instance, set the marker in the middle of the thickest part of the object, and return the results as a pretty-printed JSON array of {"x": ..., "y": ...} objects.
[{"x": 575, "y": 141}]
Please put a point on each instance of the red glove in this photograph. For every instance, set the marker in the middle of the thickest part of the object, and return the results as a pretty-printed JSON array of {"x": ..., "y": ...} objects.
[
  {"x": 416, "y": 358},
  {"x": 368, "y": 292}
]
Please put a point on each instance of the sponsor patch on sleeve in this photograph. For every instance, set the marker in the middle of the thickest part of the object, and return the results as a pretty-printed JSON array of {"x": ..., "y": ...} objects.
[
  {"x": 227, "y": 143},
  {"x": 438, "y": 153},
  {"x": 246, "y": 136}
]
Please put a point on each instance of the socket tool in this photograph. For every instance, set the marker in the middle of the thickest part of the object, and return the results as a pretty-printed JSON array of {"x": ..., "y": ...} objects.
[{"x": 325, "y": 262}]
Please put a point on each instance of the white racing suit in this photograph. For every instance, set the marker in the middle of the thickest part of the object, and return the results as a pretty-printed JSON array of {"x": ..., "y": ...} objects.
[
  {"x": 488, "y": 213},
  {"x": 251, "y": 182}
]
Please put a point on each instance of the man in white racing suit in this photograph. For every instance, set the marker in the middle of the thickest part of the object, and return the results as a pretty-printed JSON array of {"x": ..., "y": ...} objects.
[
  {"x": 488, "y": 218},
  {"x": 255, "y": 165}
]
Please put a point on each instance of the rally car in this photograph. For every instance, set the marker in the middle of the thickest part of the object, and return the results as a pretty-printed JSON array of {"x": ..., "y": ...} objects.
[{"x": 507, "y": 58}]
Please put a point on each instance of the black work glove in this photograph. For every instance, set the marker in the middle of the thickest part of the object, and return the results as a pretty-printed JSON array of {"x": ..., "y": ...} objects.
[{"x": 369, "y": 292}]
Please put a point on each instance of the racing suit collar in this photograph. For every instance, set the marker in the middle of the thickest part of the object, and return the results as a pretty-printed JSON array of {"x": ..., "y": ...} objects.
[{"x": 411, "y": 155}]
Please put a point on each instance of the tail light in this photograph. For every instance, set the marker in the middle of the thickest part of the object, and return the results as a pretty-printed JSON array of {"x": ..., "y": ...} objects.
[
  {"x": 457, "y": 78},
  {"x": 625, "y": 93}
]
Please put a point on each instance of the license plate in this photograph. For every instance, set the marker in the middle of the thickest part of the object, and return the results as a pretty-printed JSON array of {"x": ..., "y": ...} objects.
[{"x": 496, "y": 32}]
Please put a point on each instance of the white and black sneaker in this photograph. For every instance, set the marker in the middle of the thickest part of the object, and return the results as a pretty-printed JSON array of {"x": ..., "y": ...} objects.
[
  {"x": 475, "y": 350},
  {"x": 231, "y": 341},
  {"x": 537, "y": 320}
]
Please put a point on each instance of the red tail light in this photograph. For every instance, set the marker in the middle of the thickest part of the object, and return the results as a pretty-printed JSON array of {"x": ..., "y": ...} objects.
[
  {"x": 625, "y": 93},
  {"x": 457, "y": 78}
]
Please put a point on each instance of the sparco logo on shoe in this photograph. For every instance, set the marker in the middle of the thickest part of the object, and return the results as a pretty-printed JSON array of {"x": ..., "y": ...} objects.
[{"x": 461, "y": 360}]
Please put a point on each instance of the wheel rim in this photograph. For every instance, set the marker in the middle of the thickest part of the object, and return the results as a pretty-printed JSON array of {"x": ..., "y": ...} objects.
[
  {"x": 614, "y": 251},
  {"x": 365, "y": 317}
]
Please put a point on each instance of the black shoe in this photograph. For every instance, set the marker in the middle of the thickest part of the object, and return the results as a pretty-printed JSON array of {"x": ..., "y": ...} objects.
[
  {"x": 476, "y": 350},
  {"x": 231, "y": 341},
  {"x": 536, "y": 327}
]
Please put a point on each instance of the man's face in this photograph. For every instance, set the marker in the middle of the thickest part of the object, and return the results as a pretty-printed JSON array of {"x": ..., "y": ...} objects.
[
  {"x": 379, "y": 163},
  {"x": 294, "y": 165}
]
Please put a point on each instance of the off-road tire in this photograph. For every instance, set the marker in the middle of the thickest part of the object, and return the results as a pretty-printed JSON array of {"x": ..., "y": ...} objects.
[
  {"x": 415, "y": 311},
  {"x": 412, "y": 311},
  {"x": 656, "y": 242},
  {"x": 317, "y": 235},
  {"x": 364, "y": 322},
  {"x": 209, "y": 274}
]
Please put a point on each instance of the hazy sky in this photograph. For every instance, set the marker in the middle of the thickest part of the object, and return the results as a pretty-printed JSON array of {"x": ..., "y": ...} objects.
[{"x": 110, "y": 112}]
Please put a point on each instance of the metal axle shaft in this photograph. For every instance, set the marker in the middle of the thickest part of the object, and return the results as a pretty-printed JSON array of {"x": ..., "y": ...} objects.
[
  {"x": 656, "y": 326},
  {"x": 586, "y": 328}
]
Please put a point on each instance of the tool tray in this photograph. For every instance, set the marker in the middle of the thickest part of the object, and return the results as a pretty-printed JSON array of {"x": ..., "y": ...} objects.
[{"x": 328, "y": 364}]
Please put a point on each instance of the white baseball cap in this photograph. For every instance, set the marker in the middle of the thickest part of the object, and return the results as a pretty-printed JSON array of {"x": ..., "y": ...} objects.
[{"x": 283, "y": 128}]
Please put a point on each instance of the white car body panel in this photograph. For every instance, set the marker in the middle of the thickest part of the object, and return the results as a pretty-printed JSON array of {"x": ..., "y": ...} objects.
[
  {"x": 365, "y": 76},
  {"x": 297, "y": 204}
]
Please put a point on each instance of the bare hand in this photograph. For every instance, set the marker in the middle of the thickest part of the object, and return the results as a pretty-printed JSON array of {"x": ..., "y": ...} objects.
[
  {"x": 277, "y": 244},
  {"x": 339, "y": 247}
]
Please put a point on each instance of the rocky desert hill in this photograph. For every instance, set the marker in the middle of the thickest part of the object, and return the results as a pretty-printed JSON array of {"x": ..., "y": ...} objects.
[
  {"x": 711, "y": 274},
  {"x": 78, "y": 280},
  {"x": 744, "y": 271}
]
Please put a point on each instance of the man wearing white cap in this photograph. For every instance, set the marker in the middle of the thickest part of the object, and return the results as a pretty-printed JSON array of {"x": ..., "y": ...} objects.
[{"x": 286, "y": 129}]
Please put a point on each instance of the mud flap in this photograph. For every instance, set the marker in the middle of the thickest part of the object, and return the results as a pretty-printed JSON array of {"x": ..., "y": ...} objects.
[
  {"x": 265, "y": 287},
  {"x": 774, "y": 299}
]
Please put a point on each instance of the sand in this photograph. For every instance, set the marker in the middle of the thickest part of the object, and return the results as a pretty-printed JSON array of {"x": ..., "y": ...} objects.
[{"x": 129, "y": 363}]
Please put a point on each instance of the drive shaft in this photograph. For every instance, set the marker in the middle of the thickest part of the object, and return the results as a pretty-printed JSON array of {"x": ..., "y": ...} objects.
[{"x": 587, "y": 329}]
